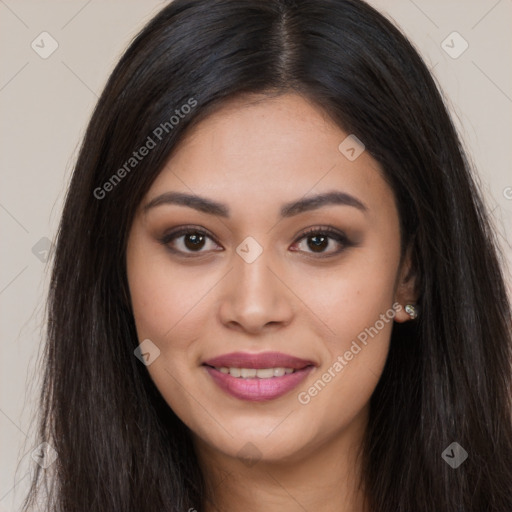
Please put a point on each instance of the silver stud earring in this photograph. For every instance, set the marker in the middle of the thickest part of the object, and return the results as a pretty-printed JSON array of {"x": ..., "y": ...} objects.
[{"x": 411, "y": 311}]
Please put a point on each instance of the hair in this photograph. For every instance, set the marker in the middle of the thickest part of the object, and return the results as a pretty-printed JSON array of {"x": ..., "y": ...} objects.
[{"x": 448, "y": 374}]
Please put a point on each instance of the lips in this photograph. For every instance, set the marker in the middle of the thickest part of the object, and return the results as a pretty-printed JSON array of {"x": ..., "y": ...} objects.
[
  {"x": 262, "y": 360},
  {"x": 258, "y": 388}
]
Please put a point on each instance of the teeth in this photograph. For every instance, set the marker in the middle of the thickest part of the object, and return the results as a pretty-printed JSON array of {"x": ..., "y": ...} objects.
[
  {"x": 248, "y": 373},
  {"x": 261, "y": 373}
]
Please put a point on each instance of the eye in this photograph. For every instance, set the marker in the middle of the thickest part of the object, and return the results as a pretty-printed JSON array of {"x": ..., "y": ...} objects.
[
  {"x": 187, "y": 240},
  {"x": 318, "y": 239}
]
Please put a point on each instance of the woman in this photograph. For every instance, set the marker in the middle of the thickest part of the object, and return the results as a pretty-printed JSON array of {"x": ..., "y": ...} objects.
[{"x": 275, "y": 285}]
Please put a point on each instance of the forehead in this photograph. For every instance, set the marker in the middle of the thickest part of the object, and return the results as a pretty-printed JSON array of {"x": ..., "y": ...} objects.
[{"x": 259, "y": 150}]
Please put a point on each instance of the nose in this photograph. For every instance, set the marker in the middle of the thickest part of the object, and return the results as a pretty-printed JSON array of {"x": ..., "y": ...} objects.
[{"x": 255, "y": 298}]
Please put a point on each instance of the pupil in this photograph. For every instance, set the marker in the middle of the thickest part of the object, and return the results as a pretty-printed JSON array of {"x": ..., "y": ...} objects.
[
  {"x": 194, "y": 241},
  {"x": 318, "y": 244}
]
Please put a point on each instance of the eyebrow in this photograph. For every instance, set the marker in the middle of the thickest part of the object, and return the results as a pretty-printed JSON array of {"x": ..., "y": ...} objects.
[{"x": 212, "y": 207}]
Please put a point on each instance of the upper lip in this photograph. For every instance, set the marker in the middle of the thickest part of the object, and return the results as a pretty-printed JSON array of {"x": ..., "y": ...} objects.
[{"x": 261, "y": 360}]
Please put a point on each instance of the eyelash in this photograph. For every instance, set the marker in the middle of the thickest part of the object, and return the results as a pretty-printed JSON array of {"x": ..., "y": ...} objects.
[{"x": 327, "y": 231}]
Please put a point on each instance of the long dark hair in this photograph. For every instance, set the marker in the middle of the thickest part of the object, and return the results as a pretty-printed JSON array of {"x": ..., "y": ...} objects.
[{"x": 448, "y": 374}]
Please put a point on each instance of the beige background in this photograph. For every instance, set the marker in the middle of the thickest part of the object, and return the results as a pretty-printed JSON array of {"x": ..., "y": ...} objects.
[{"x": 45, "y": 105}]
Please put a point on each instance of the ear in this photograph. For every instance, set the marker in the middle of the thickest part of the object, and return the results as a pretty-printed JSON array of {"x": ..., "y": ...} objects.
[{"x": 406, "y": 287}]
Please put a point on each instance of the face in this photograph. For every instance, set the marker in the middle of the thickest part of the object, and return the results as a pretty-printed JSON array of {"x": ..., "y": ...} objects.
[{"x": 271, "y": 310}]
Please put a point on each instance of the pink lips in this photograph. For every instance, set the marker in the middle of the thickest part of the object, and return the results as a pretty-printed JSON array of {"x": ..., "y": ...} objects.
[{"x": 256, "y": 389}]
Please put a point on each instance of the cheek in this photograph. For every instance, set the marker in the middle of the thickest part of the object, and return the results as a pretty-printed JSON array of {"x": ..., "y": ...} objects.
[
  {"x": 166, "y": 307},
  {"x": 353, "y": 309},
  {"x": 355, "y": 303},
  {"x": 351, "y": 297},
  {"x": 165, "y": 299},
  {"x": 353, "y": 358}
]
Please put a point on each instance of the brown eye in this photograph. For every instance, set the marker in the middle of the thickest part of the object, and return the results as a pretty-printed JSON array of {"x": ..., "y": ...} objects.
[
  {"x": 187, "y": 241},
  {"x": 318, "y": 241},
  {"x": 194, "y": 241}
]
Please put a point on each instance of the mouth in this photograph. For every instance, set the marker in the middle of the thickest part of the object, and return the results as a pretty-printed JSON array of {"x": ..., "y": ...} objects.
[
  {"x": 258, "y": 377},
  {"x": 251, "y": 373}
]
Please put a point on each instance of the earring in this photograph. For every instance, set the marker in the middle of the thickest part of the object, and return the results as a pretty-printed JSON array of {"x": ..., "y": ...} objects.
[{"x": 411, "y": 311}]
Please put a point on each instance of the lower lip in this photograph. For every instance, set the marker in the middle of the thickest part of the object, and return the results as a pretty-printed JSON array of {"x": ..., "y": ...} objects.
[{"x": 256, "y": 389}]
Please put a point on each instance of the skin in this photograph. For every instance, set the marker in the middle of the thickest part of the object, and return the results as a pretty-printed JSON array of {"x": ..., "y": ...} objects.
[{"x": 254, "y": 156}]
